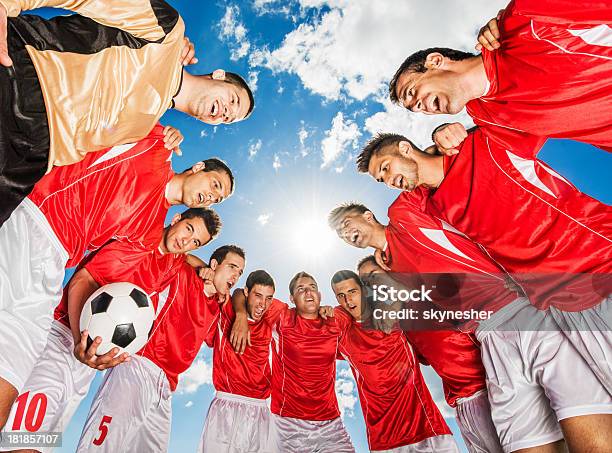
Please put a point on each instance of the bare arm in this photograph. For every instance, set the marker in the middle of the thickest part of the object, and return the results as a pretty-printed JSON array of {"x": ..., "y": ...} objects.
[{"x": 240, "y": 336}]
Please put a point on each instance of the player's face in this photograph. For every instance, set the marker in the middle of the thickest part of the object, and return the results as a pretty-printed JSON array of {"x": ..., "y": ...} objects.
[
  {"x": 356, "y": 229},
  {"x": 435, "y": 91},
  {"x": 220, "y": 102},
  {"x": 228, "y": 272},
  {"x": 259, "y": 300},
  {"x": 186, "y": 235},
  {"x": 395, "y": 168},
  {"x": 348, "y": 293},
  {"x": 306, "y": 297},
  {"x": 204, "y": 188}
]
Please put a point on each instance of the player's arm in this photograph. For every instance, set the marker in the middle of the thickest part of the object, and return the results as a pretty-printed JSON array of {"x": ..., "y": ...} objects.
[
  {"x": 489, "y": 35},
  {"x": 81, "y": 286},
  {"x": 240, "y": 336}
]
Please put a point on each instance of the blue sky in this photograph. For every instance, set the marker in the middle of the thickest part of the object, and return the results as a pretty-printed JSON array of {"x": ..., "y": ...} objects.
[{"x": 320, "y": 67}]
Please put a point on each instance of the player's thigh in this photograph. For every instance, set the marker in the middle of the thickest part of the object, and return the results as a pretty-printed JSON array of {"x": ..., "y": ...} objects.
[
  {"x": 476, "y": 424},
  {"x": 588, "y": 433},
  {"x": 553, "y": 447},
  {"x": 154, "y": 433}
]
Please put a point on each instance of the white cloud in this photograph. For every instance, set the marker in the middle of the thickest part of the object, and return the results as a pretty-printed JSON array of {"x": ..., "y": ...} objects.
[
  {"x": 353, "y": 47},
  {"x": 234, "y": 33},
  {"x": 189, "y": 403},
  {"x": 303, "y": 134},
  {"x": 254, "y": 148},
  {"x": 276, "y": 164},
  {"x": 252, "y": 80},
  {"x": 198, "y": 374},
  {"x": 346, "y": 393},
  {"x": 341, "y": 135},
  {"x": 271, "y": 7},
  {"x": 203, "y": 133},
  {"x": 263, "y": 219}
]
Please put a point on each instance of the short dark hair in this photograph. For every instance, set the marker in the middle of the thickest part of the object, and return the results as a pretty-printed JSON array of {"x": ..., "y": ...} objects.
[
  {"x": 216, "y": 164},
  {"x": 365, "y": 260},
  {"x": 211, "y": 219},
  {"x": 296, "y": 277},
  {"x": 337, "y": 214},
  {"x": 259, "y": 277},
  {"x": 222, "y": 252},
  {"x": 416, "y": 63},
  {"x": 237, "y": 80},
  {"x": 375, "y": 145},
  {"x": 345, "y": 274}
]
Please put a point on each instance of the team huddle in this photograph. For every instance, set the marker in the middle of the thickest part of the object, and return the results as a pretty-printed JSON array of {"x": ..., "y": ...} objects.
[{"x": 86, "y": 181}]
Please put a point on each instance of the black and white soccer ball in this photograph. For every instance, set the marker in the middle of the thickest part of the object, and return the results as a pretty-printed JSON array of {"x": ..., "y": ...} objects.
[{"x": 121, "y": 314}]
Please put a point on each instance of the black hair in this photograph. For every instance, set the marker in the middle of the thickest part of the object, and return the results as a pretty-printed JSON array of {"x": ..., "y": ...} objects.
[
  {"x": 220, "y": 254},
  {"x": 296, "y": 277},
  {"x": 375, "y": 145},
  {"x": 211, "y": 219},
  {"x": 345, "y": 274},
  {"x": 259, "y": 277},
  {"x": 337, "y": 214}
]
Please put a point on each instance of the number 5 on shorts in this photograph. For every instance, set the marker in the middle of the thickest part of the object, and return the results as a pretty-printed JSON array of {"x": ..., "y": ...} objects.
[{"x": 103, "y": 428}]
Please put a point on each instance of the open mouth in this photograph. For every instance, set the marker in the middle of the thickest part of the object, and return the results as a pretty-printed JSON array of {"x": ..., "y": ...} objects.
[
  {"x": 215, "y": 108},
  {"x": 201, "y": 198},
  {"x": 354, "y": 237},
  {"x": 351, "y": 306},
  {"x": 177, "y": 245},
  {"x": 398, "y": 182}
]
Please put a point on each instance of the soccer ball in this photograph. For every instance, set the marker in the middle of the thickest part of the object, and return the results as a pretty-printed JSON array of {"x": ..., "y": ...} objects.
[{"x": 121, "y": 314}]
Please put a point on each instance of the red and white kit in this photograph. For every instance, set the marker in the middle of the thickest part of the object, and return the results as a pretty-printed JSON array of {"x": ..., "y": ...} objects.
[
  {"x": 58, "y": 377},
  {"x": 550, "y": 77},
  {"x": 239, "y": 415},
  {"x": 420, "y": 243},
  {"x": 555, "y": 242},
  {"x": 116, "y": 193},
  {"x": 304, "y": 400},
  {"x": 398, "y": 409},
  {"x": 133, "y": 404}
]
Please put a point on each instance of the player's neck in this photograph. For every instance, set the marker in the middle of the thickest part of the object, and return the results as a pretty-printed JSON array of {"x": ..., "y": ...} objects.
[
  {"x": 308, "y": 315},
  {"x": 430, "y": 169},
  {"x": 474, "y": 80},
  {"x": 379, "y": 238},
  {"x": 174, "y": 189},
  {"x": 189, "y": 88}
]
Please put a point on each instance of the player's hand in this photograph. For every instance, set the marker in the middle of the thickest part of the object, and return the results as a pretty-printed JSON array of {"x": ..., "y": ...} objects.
[
  {"x": 449, "y": 137},
  {"x": 488, "y": 36},
  {"x": 5, "y": 60},
  {"x": 172, "y": 139},
  {"x": 206, "y": 274},
  {"x": 88, "y": 355},
  {"x": 381, "y": 260},
  {"x": 326, "y": 311},
  {"x": 240, "y": 336},
  {"x": 188, "y": 53}
]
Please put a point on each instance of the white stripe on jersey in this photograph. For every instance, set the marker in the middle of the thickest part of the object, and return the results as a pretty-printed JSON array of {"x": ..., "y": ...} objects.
[
  {"x": 558, "y": 46},
  {"x": 113, "y": 152},
  {"x": 526, "y": 168},
  {"x": 440, "y": 238},
  {"x": 600, "y": 35}
]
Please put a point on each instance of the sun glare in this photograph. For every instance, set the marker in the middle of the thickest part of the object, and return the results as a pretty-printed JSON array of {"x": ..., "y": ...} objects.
[{"x": 313, "y": 238}]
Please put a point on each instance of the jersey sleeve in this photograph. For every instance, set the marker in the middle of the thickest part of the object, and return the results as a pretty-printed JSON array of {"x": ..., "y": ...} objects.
[
  {"x": 569, "y": 12},
  {"x": 275, "y": 311},
  {"x": 520, "y": 143},
  {"x": 150, "y": 20},
  {"x": 343, "y": 319},
  {"x": 116, "y": 262}
]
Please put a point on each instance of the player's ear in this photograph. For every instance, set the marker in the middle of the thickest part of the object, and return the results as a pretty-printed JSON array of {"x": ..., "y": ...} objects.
[
  {"x": 175, "y": 219},
  {"x": 218, "y": 74},
  {"x": 368, "y": 216},
  {"x": 213, "y": 264},
  {"x": 405, "y": 148},
  {"x": 199, "y": 166},
  {"x": 245, "y": 290},
  {"x": 434, "y": 60}
]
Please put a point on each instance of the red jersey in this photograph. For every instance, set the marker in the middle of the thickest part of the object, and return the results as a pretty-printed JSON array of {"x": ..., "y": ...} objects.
[
  {"x": 420, "y": 243},
  {"x": 548, "y": 235},
  {"x": 115, "y": 193},
  {"x": 125, "y": 262},
  {"x": 304, "y": 366},
  {"x": 397, "y": 406},
  {"x": 187, "y": 319},
  {"x": 551, "y": 75},
  {"x": 247, "y": 374}
]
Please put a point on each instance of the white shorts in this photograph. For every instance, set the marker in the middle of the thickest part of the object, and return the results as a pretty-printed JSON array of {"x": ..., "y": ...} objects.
[
  {"x": 237, "y": 424},
  {"x": 535, "y": 378},
  {"x": 131, "y": 411},
  {"x": 476, "y": 424},
  {"x": 32, "y": 263},
  {"x": 590, "y": 332},
  {"x": 300, "y": 436},
  {"x": 60, "y": 379},
  {"x": 436, "y": 444}
]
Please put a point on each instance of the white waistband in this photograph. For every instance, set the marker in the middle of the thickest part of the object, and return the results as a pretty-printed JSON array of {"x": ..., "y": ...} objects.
[
  {"x": 500, "y": 317},
  {"x": 241, "y": 398},
  {"x": 40, "y": 219},
  {"x": 466, "y": 399}
]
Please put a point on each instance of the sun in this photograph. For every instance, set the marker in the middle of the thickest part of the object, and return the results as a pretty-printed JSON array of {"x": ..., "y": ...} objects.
[{"x": 312, "y": 238}]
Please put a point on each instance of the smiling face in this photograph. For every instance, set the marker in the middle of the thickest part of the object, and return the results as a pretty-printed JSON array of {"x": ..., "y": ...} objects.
[
  {"x": 306, "y": 297},
  {"x": 220, "y": 101},
  {"x": 185, "y": 235},
  {"x": 357, "y": 229},
  {"x": 204, "y": 188},
  {"x": 348, "y": 293},
  {"x": 259, "y": 298},
  {"x": 435, "y": 91},
  {"x": 227, "y": 272},
  {"x": 394, "y": 166}
]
